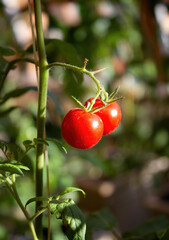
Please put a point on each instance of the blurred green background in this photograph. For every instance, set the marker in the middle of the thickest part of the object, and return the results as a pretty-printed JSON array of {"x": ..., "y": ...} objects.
[{"x": 125, "y": 167}]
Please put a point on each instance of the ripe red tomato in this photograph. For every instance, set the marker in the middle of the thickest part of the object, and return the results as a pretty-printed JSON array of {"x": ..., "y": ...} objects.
[
  {"x": 81, "y": 129},
  {"x": 110, "y": 114}
]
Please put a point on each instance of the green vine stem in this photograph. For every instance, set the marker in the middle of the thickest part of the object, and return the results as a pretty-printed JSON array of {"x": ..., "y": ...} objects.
[
  {"x": 41, "y": 115},
  {"x": 89, "y": 73}
]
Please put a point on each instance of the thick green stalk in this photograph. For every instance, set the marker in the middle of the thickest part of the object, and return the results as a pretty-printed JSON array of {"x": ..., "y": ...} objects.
[{"x": 41, "y": 116}]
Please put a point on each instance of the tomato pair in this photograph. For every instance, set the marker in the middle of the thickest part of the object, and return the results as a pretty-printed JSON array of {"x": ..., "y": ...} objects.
[{"x": 83, "y": 130}]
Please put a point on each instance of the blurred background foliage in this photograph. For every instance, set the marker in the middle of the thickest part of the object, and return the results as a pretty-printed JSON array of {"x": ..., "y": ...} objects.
[{"x": 131, "y": 38}]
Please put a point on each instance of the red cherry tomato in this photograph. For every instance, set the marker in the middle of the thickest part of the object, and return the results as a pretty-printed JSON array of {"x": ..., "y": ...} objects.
[
  {"x": 110, "y": 114},
  {"x": 81, "y": 129}
]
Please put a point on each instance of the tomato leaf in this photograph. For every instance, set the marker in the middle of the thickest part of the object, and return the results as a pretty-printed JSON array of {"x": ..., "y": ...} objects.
[
  {"x": 6, "y": 51},
  {"x": 28, "y": 144},
  {"x": 11, "y": 168},
  {"x": 21, "y": 91},
  {"x": 15, "y": 93},
  {"x": 22, "y": 167},
  {"x": 73, "y": 220},
  {"x": 165, "y": 235},
  {"x": 147, "y": 228},
  {"x": 69, "y": 190},
  {"x": 36, "y": 199},
  {"x": 103, "y": 219},
  {"x": 57, "y": 143}
]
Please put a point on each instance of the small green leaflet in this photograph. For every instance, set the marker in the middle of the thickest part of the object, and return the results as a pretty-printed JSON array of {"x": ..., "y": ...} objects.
[
  {"x": 113, "y": 94},
  {"x": 46, "y": 140},
  {"x": 13, "y": 169},
  {"x": 28, "y": 144},
  {"x": 36, "y": 199},
  {"x": 69, "y": 190},
  {"x": 57, "y": 143},
  {"x": 5, "y": 51}
]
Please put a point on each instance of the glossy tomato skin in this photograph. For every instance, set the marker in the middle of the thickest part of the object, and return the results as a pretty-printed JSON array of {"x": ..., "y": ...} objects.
[
  {"x": 110, "y": 114},
  {"x": 81, "y": 129}
]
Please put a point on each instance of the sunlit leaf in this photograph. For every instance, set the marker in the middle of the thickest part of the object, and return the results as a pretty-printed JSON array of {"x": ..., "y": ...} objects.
[
  {"x": 23, "y": 167},
  {"x": 69, "y": 190},
  {"x": 13, "y": 169}
]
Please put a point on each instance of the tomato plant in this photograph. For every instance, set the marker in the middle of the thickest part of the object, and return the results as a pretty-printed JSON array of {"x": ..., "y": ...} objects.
[
  {"x": 82, "y": 129},
  {"x": 110, "y": 114}
]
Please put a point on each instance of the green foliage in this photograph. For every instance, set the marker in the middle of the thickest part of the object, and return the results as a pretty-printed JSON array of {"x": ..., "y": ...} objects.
[
  {"x": 58, "y": 143},
  {"x": 69, "y": 190},
  {"x": 5, "y": 112},
  {"x": 16, "y": 93},
  {"x": 5, "y": 51},
  {"x": 102, "y": 219},
  {"x": 36, "y": 199},
  {"x": 58, "y": 50},
  {"x": 12, "y": 168},
  {"x": 164, "y": 235},
  {"x": 3, "y": 233},
  {"x": 148, "y": 230},
  {"x": 101, "y": 39},
  {"x": 73, "y": 220}
]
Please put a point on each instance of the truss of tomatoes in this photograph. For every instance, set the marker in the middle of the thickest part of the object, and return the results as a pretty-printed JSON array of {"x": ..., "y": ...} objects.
[{"x": 83, "y": 130}]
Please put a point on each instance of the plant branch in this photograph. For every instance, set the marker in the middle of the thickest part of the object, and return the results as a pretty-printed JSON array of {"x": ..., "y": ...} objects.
[
  {"x": 41, "y": 115},
  {"x": 89, "y": 73}
]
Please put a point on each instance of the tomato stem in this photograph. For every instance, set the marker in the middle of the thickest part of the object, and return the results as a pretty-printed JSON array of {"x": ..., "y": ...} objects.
[
  {"x": 41, "y": 115},
  {"x": 90, "y": 74}
]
